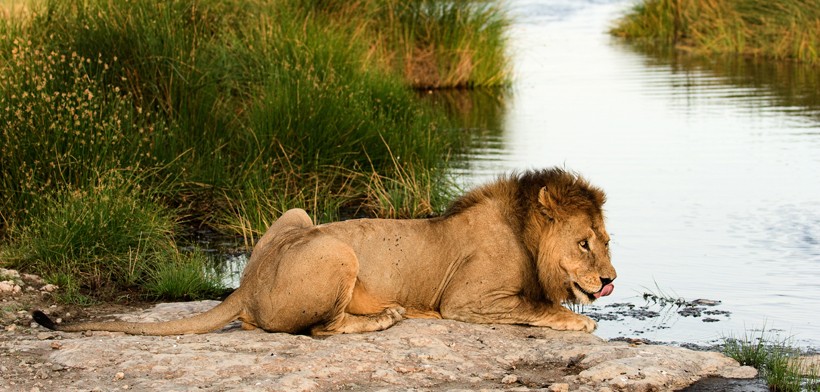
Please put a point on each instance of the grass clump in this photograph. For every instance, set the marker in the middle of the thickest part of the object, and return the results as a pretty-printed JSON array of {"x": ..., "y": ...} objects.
[
  {"x": 98, "y": 241},
  {"x": 788, "y": 29},
  {"x": 186, "y": 276},
  {"x": 779, "y": 363}
]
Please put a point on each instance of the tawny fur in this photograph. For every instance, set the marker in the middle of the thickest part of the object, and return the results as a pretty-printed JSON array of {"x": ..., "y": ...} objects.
[{"x": 508, "y": 252}]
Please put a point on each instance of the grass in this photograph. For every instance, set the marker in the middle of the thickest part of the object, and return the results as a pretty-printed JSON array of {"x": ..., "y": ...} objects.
[
  {"x": 106, "y": 239},
  {"x": 788, "y": 29},
  {"x": 778, "y": 362},
  {"x": 433, "y": 44},
  {"x": 122, "y": 121},
  {"x": 188, "y": 276}
]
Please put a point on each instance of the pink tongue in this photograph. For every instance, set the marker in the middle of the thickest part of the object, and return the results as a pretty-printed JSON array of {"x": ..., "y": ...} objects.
[{"x": 607, "y": 290}]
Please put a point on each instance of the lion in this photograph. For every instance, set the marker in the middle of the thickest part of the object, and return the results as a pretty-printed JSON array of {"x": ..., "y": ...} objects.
[{"x": 509, "y": 252}]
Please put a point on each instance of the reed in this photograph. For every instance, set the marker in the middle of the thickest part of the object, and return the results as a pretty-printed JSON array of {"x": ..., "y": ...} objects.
[
  {"x": 788, "y": 29},
  {"x": 780, "y": 363},
  {"x": 434, "y": 44}
]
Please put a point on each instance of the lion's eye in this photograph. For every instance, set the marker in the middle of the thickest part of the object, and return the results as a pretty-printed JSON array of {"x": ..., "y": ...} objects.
[{"x": 584, "y": 245}]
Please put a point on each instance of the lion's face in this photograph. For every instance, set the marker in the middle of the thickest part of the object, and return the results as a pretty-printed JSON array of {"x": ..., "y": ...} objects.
[
  {"x": 573, "y": 255},
  {"x": 580, "y": 248}
]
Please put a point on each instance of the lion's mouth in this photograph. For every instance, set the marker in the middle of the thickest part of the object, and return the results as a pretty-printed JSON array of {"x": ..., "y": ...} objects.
[{"x": 607, "y": 289}]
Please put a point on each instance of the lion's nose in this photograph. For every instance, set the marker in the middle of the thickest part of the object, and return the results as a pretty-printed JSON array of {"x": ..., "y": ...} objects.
[{"x": 606, "y": 281}]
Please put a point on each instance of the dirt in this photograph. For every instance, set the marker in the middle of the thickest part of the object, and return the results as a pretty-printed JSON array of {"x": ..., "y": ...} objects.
[{"x": 414, "y": 354}]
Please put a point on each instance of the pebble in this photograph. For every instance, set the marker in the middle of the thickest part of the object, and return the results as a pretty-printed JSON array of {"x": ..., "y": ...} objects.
[
  {"x": 49, "y": 288},
  {"x": 46, "y": 335},
  {"x": 558, "y": 387},
  {"x": 8, "y": 286},
  {"x": 509, "y": 379},
  {"x": 119, "y": 376}
]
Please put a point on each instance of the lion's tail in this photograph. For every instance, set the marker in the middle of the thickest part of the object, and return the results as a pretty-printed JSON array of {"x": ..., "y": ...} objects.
[{"x": 213, "y": 319}]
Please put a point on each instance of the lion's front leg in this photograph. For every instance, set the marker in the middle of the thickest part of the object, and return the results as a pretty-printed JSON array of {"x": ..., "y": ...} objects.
[
  {"x": 563, "y": 319},
  {"x": 519, "y": 310}
]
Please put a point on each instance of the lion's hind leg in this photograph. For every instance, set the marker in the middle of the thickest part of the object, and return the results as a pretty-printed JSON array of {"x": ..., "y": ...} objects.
[{"x": 352, "y": 323}]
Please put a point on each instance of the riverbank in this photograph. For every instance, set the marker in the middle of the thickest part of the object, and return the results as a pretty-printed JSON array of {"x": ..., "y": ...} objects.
[
  {"x": 784, "y": 30},
  {"x": 128, "y": 123}
]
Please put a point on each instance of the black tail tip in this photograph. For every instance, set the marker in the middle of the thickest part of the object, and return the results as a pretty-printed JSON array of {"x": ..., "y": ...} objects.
[{"x": 41, "y": 318}]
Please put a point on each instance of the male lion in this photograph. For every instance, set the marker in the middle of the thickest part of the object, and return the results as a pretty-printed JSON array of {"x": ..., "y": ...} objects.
[{"x": 508, "y": 252}]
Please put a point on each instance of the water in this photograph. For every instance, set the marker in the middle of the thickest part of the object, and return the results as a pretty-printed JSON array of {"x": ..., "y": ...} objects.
[{"x": 712, "y": 168}]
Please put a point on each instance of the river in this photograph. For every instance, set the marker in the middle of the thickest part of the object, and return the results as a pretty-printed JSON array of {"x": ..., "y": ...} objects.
[{"x": 711, "y": 166}]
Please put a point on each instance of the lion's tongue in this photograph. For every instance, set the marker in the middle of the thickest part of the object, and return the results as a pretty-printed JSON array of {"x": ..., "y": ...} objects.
[{"x": 606, "y": 290}]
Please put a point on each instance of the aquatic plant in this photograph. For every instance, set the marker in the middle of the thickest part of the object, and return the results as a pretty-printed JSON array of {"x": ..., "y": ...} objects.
[
  {"x": 778, "y": 361},
  {"x": 788, "y": 29}
]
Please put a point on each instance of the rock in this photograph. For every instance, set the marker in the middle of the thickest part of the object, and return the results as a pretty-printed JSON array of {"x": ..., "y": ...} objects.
[
  {"x": 808, "y": 365},
  {"x": 558, "y": 387},
  {"x": 32, "y": 279},
  {"x": 9, "y": 274},
  {"x": 47, "y": 335},
  {"x": 414, "y": 354},
  {"x": 8, "y": 286},
  {"x": 49, "y": 288},
  {"x": 739, "y": 372}
]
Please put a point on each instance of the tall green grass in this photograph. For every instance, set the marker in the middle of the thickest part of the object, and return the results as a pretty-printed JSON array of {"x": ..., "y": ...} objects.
[
  {"x": 102, "y": 239},
  {"x": 788, "y": 29},
  {"x": 433, "y": 44},
  {"x": 779, "y": 363},
  {"x": 223, "y": 112}
]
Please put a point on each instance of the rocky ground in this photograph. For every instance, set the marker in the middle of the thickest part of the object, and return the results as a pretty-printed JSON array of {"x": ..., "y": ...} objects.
[{"x": 414, "y": 354}]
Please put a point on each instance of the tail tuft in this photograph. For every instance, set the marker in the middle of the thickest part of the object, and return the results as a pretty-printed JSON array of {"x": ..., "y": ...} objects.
[{"x": 41, "y": 318}]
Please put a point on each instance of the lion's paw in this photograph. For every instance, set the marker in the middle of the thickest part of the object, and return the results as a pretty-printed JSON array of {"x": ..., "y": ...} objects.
[
  {"x": 396, "y": 313},
  {"x": 573, "y": 322}
]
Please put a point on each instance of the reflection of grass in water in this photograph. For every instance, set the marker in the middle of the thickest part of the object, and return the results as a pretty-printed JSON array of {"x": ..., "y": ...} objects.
[
  {"x": 777, "y": 360},
  {"x": 776, "y": 85}
]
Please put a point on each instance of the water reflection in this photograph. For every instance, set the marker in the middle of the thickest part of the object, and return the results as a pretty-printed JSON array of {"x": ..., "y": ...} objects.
[
  {"x": 480, "y": 115},
  {"x": 757, "y": 86}
]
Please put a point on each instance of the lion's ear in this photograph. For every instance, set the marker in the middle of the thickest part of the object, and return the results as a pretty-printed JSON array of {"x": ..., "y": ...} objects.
[{"x": 547, "y": 204}]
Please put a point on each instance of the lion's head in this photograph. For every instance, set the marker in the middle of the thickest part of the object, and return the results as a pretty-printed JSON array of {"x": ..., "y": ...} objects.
[{"x": 565, "y": 234}]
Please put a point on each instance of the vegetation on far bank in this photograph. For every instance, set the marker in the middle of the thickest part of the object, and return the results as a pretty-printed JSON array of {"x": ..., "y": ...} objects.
[
  {"x": 122, "y": 121},
  {"x": 787, "y": 29}
]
